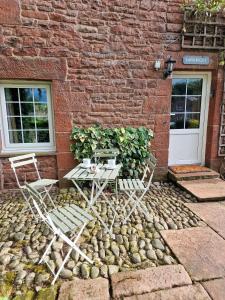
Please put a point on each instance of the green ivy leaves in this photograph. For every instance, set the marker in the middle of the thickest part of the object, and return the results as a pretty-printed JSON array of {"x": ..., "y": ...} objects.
[{"x": 133, "y": 144}]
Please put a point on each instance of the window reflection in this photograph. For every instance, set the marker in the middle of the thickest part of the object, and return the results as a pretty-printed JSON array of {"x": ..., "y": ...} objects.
[
  {"x": 179, "y": 86},
  {"x": 177, "y": 121}
]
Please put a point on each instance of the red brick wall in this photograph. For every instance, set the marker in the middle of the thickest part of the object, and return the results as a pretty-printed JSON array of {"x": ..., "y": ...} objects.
[{"x": 99, "y": 57}]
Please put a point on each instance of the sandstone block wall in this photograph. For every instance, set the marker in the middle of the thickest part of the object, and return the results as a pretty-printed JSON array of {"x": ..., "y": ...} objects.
[{"x": 99, "y": 57}]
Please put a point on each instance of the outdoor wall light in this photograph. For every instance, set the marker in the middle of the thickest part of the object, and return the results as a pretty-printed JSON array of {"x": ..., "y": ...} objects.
[{"x": 169, "y": 67}]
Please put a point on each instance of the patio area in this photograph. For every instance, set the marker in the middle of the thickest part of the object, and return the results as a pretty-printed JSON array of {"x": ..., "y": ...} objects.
[{"x": 137, "y": 245}]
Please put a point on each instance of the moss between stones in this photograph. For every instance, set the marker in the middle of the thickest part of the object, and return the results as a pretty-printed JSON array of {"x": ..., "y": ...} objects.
[
  {"x": 5, "y": 290},
  {"x": 28, "y": 296},
  {"x": 48, "y": 293},
  {"x": 10, "y": 277},
  {"x": 35, "y": 268}
]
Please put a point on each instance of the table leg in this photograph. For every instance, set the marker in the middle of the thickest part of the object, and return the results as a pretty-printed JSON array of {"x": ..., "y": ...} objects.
[{"x": 93, "y": 199}]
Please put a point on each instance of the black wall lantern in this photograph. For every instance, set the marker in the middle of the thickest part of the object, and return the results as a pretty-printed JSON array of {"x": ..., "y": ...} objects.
[{"x": 169, "y": 67}]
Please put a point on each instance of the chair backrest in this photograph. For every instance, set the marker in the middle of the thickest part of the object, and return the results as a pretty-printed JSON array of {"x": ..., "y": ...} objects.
[
  {"x": 149, "y": 169},
  {"x": 105, "y": 153},
  {"x": 21, "y": 161}
]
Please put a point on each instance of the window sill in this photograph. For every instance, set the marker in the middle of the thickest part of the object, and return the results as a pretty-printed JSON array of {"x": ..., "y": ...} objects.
[{"x": 11, "y": 154}]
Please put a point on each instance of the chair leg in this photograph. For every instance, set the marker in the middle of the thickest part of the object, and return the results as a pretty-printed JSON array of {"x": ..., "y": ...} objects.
[
  {"x": 72, "y": 246},
  {"x": 27, "y": 199},
  {"x": 137, "y": 203},
  {"x": 48, "y": 195}
]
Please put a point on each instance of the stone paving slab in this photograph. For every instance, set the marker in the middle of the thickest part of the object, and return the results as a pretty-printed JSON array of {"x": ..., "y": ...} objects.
[
  {"x": 191, "y": 292},
  {"x": 212, "y": 213},
  {"x": 200, "y": 250},
  {"x": 205, "y": 189},
  {"x": 215, "y": 288},
  {"x": 148, "y": 280},
  {"x": 92, "y": 289}
]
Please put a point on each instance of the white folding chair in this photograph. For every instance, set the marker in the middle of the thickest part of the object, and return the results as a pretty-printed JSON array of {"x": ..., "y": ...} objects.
[
  {"x": 101, "y": 155},
  {"x": 43, "y": 185},
  {"x": 135, "y": 189},
  {"x": 63, "y": 221}
]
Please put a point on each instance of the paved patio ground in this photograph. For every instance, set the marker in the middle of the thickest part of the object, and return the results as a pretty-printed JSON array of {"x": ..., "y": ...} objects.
[
  {"x": 205, "y": 189},
  {"x": 180, "y": 257},
  {"x": 137, "y": 245},
  {"x": 200, "y": 275},
  {"x": 212, "y": 213}
]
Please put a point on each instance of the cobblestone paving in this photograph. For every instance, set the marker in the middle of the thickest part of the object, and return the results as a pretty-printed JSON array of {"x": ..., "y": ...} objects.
[{"x": 137, "y": 245}]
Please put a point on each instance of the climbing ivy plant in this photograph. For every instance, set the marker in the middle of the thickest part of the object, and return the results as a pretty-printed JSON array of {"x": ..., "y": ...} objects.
[
  {"x": 208, "y": 7},
  {"x": 133, "y": 145}
]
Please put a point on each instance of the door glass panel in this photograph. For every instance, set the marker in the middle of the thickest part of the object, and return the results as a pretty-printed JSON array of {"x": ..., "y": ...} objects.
[
  {"x": 194, "y": 86},
  {"x": 178, "y": 104},
  {"x": 186, "y": 103},
  {"x": 193, "y": 104},
  {"x": 179, "y": 86},
  {"x": 192, "y": 121},
  {"x": 177, "y": 121}
]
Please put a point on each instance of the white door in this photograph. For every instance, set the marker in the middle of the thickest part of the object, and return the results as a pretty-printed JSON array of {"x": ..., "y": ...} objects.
[{"x": 188, "y": 121}]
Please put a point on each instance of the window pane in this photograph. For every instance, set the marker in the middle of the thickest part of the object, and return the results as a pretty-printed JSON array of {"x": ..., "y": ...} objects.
[
  {"x": 27, "y": 109},
  {"x": 15, "y": 137},
  {"x": 43, "y": 136},
  {"x": 41, "y": 109},
  {"x": 178, "y": 104},
  {"x": 42, "y": 123},
  {"x": 28, "y": 123},
  {"x": 179, "y": 86},
  {"x": 193, "y": 104},
  {"x": 29, "y": 136},
  {"x": 194, "y": 86},
  {"x": 40, "y": 95},
  {"x": 177, "y": 121},
  {"x": 14, "y": 123},
  {"x": 13, "y": 109},
  {"x": 192, "y": 121},
  {"x": 26, "y": 95},
  {"x": 11, "y": 94}
]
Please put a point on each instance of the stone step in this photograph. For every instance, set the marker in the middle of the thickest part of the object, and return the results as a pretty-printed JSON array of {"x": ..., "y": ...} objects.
[
  {"x": 205, "y": 189},
  {"x": 192, "y": 176}
]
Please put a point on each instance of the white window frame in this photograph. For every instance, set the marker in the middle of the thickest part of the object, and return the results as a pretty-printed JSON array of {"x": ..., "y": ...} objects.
[{"x": 8, "y": 147}]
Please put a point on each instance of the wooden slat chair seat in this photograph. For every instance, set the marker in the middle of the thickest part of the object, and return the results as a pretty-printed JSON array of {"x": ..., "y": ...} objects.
[
  {"x": 70, "y": 217},
  {"x": 135, "y": 189},
  {"x": 42, "y": 184},
  {"x": 63, "y": 221},
  {"x": 131, "y": 185}
]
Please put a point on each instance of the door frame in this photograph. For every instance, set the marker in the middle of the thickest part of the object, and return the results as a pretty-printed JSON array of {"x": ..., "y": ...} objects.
[{"x": 207, "y": 77}]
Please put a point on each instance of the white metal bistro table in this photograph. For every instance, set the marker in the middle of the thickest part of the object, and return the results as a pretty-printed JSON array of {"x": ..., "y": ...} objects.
[{"x": 99, "y": 181}]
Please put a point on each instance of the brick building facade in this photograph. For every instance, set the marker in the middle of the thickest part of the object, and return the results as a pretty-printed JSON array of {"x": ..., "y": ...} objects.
[{"x": 98, "y": 58}]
